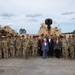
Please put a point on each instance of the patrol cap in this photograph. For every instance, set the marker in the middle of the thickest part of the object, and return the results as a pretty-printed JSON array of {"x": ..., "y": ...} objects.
[
  {"x": 73, "y": 35},
  {"x": 22, "y": 36}
]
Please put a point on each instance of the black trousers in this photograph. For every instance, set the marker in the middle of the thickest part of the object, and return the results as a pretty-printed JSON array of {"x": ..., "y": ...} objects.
[
  {"x": 57, "y": 53},
  {"x": 40, "y": 51},
  {"x": 50, "y": 52}
]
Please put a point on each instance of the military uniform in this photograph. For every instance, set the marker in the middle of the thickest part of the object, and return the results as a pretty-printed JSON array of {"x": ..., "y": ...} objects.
[
  {"x": 71, "y": 48},
  {"x": 5, "y": 47},
  {"x": 12, "y": 47},
  {"x": 65, "y": 48},
  {"x": 74, "y": 46},
  {"x": 18, "y": 48},
  {"x": 25, "y": 48},
  {"x": 0, "y": 48},
  {"x": 30, "y": 46},
  {"x": 34, "y": 47}
]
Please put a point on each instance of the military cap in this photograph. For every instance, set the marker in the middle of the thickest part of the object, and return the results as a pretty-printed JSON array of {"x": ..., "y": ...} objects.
[{"x": 22, "y": 36}]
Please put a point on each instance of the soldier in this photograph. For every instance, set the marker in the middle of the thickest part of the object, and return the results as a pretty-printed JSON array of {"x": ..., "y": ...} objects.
[
  {"x": 64, "y": 47},
  {"x": 21, "y": 40},
  {"x": 0, "y": 47},
  {"x": 15, "y": 45},
  {"x": 18, "y": 47},
  {"x": 5, "y": 47},
  {"x": 26, "y": 47},
  {"x": 71, "y": 47},
  {"x": 30, "y": 45},
  {"x": 12, "y": 46},
  {"x": 9, "y": 53},
  {"x": 34, "y": 47},
  {"x": 23, "y": 46},
  {"x": 73, "y": 38},
  {"x": 74, "y": 46}
]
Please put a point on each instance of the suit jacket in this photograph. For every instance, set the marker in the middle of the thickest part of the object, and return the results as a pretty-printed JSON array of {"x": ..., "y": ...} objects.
[
  {"x": 40, "y": 43},
  {"x": 57, "y": 46},
  {"x": 51, "y": 43},
  {"x": 45, "y": 47}
]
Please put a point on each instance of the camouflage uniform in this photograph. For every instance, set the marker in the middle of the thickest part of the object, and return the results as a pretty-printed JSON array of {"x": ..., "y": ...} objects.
[
  {"x": 12, "y": 47},
  {"x": 0, "y": 48},
  {"x": 5, "y": 48},
  {"x": 34, "y": 47},
  {"x": 30, "y": 46},
  {"x": 25, "y": 48},
  {"x": 71, "y": 48},
  {"x": 74, "y": 46},
  {"x": 18, "y": 48},
  {"x": 65, "y": 48}
]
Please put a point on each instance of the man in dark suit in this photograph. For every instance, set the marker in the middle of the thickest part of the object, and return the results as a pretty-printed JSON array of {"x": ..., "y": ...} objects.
[{"x": 51, "y": 46}]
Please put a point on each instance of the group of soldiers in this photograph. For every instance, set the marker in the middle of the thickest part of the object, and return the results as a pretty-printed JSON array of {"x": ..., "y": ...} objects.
[
  {"x": 18, "y": 47},
  {"x": 68, "y": 47},
  {"x": 24, "y": 47}
]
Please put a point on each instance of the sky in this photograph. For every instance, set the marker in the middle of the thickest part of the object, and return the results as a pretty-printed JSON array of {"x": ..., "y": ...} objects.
[{"x": 29, "y": 14}]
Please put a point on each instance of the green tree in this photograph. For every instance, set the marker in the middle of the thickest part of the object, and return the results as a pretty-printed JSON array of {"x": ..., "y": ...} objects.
[
  {"x": 22, "y": 31},
  {"x": 73, "y": 32}
]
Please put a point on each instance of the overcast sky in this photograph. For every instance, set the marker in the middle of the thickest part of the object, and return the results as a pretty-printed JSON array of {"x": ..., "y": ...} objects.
[{"x": 29, "y": 14}]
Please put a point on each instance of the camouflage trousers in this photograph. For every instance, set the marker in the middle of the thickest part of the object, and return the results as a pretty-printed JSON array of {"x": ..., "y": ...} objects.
[
  {"x": 25, "y": 52},
  {"x": 34, "y": 52},
  {"x": 72, "y": 52},
  {"x": 0, "y": 53},
  {"x": 19, "y": 52},
  {"x": 12, "y": 52},
  {"x": 65, "y": 52},
  {"x": 5, "y": 52}
]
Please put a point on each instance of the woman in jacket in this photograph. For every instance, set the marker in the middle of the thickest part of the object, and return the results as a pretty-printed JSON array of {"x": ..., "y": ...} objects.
[{"x": 57, "y": 47}]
